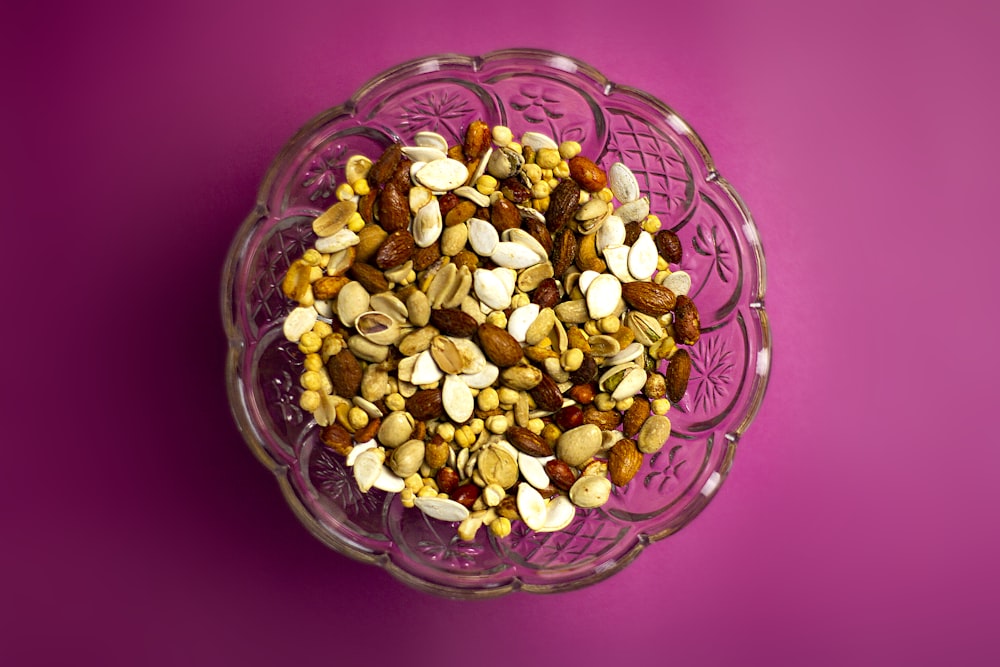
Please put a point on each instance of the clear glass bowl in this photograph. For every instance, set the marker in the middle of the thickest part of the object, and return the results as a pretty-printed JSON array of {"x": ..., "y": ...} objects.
[{"x": 566, "y": 99}]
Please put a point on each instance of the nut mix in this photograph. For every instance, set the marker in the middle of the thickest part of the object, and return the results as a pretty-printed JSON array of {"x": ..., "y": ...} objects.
[{"x": 479, "y": 320}]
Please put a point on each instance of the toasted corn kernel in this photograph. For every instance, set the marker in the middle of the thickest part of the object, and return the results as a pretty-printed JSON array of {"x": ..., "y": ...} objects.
[
  {"x": 309, "y": 401},
  {"x": 361, "y": 187},
  {"x": 500, "y": 526},
  {"x": 310, "y": 342},
  {"x": 344, "y": 192}
]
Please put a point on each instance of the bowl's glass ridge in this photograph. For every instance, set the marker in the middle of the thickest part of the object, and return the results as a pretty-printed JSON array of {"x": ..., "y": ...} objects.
[{"x": 566, "y": 99}]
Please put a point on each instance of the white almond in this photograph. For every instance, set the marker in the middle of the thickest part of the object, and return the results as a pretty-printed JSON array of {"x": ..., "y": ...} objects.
[
  {"x": 587, "y": 277},
  {"x": 345, "y": 238},
  {"x": 611, "y": 233},
  {"x": 428, "y": 224},
  {"x": 484, "y": 378},
  {"x": 531, "y": 506},
  {"x": 520, "y": 319},
  {"x": 443, "y": 509},
  {"x": 444, "y": 174},
  {"x": 517, "y": 235},
  {"x": 616, "y": 258},
  {"x": 532, "y": 470},
  {"x": 623, "y": 183},
  {"x": 424, "y": 153},
  {"x": 457, "y": 399},
  {"x": 538, "y": 140},
  {"x": 679, "y": 282},
  {"x": 299, "y": 321},
  {"x": 634, "y": 211},
  {"x": 514, "y": 255},
  {"x": 425, "y": 370},
  {"x": 430, "y": 139},
  {"x": 642, "y": 257},
  {"x": 490, "y": 289},
  {"x": 558, "y": 515},
  {"x": 603, "y": 296},
  {"x": 483, "y": 237}
]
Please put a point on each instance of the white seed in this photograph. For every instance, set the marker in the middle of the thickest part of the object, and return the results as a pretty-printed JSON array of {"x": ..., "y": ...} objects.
[
  {"x": 419, "y": 197},
  {"x": 531, "y": 506},
  {"x": 517, "y": 235},
  {"x": 299, "y": 321},
  {"x": 634, "y": 211},
  {"x": 430, "y": 139},
  {"x": 427, "y": 224},
  {"x": 425, "y": 369},
  {"x": 532, "y": 470},
  {"x": 367, "y": 468},
  {"x": 370, "y": 408},
  {"x": 630, "y": 353},
  {"x": 611, "y": 233},
  {"x": 603, "y": 296},
  {"x": 442, "y": 175},
  {"x": 345, "y": 238},
  {"x": 520, "y": 319},
  {"x": 679, "y": 282},
  {"x": 484, "y": 378},
  {"x": 357, "y": 450},
  {"x": 389, "y": 481},
  {"x": 443, "y": 509},
  {"x": 617, "y": 259},
  {"x": 508, "y": 277},
  {"x": 473, "y": 195},
  {"x": 623, "y": 183},
  {"x": 630, "y": 384},
  {"x": 483, "y": 237},
  {"x": 642, "y": 257},
  {"x": 490, "y": 289},
  {"x": 538, "y": 140},
  {"x": 424, "y": 153},
  {"x": 559, "y": 514},
  {"x": 473, "y": 359},
  {"x": 457, "y": 398},
  {"x": 587, "y": 277},
  {"x": 514, "y": 255},
  {"x": 481, "y": 165}
]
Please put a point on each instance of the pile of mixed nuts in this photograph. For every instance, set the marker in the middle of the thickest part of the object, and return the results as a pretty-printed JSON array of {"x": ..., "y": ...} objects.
[{"x": 483, "y": 325}]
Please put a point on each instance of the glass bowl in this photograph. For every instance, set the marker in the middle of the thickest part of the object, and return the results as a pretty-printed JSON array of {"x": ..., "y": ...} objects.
[{"x": 568, "y": 100}]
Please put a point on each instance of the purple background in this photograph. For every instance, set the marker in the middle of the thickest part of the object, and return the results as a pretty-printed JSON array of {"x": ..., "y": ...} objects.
[{"x": 858, "y": 527}]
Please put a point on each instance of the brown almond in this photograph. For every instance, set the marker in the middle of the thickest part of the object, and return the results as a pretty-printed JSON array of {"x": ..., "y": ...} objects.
[
  {"x": 462, "y": 211},
  {"x": 587, "y": 371},
  {"x": 513, "y": 189},
  {"x": 587, "y": 175},
  {"x": 370, "y": 278},
  {"x": 669, "y": 246},
  {"x": 345, "y": 374},
  {"x": 563, "y": 251},
  {"x": 547, "y": 395},
  {"x": 528, "y": 442},
  {"x": 687, "y": 322},
  {"x": 677, "y": 375},
  {"x": 538, "y": 231},
  {"x": 454, "y": 322},
  {"x": 368, "y": 431},
  {"x": 396, "y": 249},
  {"x": 328, "y": 287},
  {"x": 607, "y": 420},
  {"x": 499, "y": 346},
  {"x": 635, "y": 416},
  {"x": 649, "y": 298},
  {"x": 385, "y": 166},
  {"x": 425, "y": 404},
  {"x": 504, "y": 215},
  {"x": 478, "y": 137},
  {"x": 624, "y": 461},
  {"x": 632, "y": 232},
  {"x": 393, "y": 210},
  {"x": 424, "y": 257},
  {"x": 546, "y": 295},
  {"x": 336, "y": 438},
  {"x": 366, "y": 205},
  {"x": 560, "y": 473},
  {"x": 564, "y": 200}
]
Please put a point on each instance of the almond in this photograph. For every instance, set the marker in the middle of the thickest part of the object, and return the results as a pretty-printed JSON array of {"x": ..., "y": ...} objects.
[
  {"x": 453, "y": 322},
  {"x": 385, "y": 166},
  {"x": 624, "y": 461},
  {"x": 499, "y": 346},
  {"x": 329, "y": 287},
  {"x": 504, "y": 215},
  {"x": 528, "y": 442},
  {"x": 649, "y": 298},
  {"x": 478, "y": 137},
  {"x": 588, "y": 175},
  {"x": 514, "y": 190},
  {"x": 537, "y": 230},
  {"x": 546, "y": 295},
  {"x": 607, "y": 420},
  {"x": 345, "y": 374},
  {"x": 687, "y": 322},
  {"x": 367, "y": 432},
  {"x": 425, "y": 404},
  {"x": 370, "y": 278},
  {"x": 424, "y": 257},
  {"x": 635, "y": 416},
  {"x": 396, "y": 249},
  {"x": 632, "y": 232},
  {"x": 547, "y": 395},
  {"x": 336, "y": 438},
  {"x": 669, "y": 246},
  {"x": 560, "y": 473},
  {"x": 677, "y": 375},
  {"x": 564, "y": 200},
  {"x": 393, "y": 210},
  {"x": 462, "y": 211},
  {"x": 563, "y": 251}
]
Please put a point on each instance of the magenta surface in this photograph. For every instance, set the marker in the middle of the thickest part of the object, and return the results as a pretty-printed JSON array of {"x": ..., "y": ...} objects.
[{"x": 858, "y": 525}]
